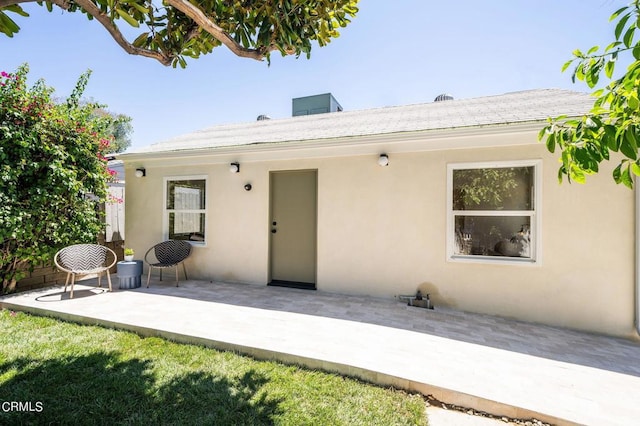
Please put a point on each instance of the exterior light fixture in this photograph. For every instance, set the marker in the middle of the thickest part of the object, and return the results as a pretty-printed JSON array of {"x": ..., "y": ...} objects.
[
  {"x": 141, "y": 172},
  {"x": 234, "y": 167},
  {"x": 383, "y": 160}
]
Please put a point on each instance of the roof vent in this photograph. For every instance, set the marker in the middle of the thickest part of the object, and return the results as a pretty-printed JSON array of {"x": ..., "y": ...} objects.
[
  {"x": 263, "y": 117},
  {"x": 443, "y": 97}
]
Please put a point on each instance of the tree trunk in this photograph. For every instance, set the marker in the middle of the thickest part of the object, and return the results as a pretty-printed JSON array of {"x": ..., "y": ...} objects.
[{"x": 10, "y": 273}]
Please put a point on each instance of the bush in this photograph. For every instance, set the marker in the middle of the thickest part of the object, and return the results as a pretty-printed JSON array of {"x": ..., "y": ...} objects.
[{"x": 53, "y": 173}]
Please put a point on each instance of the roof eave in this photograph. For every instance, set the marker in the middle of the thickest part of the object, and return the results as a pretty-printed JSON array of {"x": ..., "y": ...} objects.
[{"x": 423, "y": 140}]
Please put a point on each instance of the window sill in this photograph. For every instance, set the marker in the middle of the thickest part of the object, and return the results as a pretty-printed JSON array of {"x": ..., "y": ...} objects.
[
  {"x": 492, "y": 260},
  {"x": 195, "y": 244}
]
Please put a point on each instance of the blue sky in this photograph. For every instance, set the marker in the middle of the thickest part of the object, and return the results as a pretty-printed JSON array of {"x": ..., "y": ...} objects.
[{"x": 393, "y": 53}]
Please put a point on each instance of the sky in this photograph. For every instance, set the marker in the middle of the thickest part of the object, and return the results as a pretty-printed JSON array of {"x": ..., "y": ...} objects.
[{"x": 393, "y": 53}]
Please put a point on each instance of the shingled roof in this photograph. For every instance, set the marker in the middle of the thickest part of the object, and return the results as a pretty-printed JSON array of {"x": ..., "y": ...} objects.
[{"x": 510, "y": 108}]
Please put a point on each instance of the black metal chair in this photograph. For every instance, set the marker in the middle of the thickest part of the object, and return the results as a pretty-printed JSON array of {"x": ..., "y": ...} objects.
[
  {"x": 85, "y": 259},
  {"x": 168, "y": 254}
]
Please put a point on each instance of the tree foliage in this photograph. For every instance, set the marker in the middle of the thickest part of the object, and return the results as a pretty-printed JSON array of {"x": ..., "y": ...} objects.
[
  {"x": 120, "y": 129},
  {"x": 613, "y": 124},
  {"x": 173, "y": 30},
  {"x": 52, "y": 173}
]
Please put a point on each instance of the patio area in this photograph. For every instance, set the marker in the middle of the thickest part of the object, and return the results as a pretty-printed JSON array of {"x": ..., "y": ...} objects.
[{"x": 491, "y": 364}]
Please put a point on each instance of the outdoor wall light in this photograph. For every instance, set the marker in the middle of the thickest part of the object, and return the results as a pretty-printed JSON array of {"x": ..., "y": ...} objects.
[
  {"x": 234, "y": 167},
  {"x": 141, "y": 172},
  {"x": 383, "y": 160}
]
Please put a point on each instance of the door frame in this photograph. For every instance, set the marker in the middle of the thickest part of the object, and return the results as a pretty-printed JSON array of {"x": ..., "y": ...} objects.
[{"x": 292, "y": 284}]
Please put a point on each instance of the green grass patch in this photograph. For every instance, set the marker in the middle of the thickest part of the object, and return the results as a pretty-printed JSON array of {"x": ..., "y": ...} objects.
[{"x": 88, "y": 374}]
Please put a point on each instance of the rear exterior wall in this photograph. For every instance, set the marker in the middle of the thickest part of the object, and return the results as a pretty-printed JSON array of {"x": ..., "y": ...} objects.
[{"x": 382, "y": 232}]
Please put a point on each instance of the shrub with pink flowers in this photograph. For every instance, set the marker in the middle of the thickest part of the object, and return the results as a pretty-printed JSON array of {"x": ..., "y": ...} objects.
[{"x": 53, "y": 172}]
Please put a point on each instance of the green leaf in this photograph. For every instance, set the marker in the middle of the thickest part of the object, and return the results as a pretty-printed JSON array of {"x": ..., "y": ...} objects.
[
  {"x": 142, "y": 9},
  {"x": 626, "y": 178},
  {"x": 604, "y": 151},
  {"x": 617, "y": 13},
  {"x": 580, "y": 72},
  {"x": 627, "y": 150},
  {"x": 542, "y": 132},
  {"x": 628, "y": 36},
  {"x": 16, "y": 9},
  {"x": 592, "y": 78},
  {"x": 566, "y": 65},
  {"x": 565, "y": 159},
  {"x": 7, "y": 26},
  {"x": 630, "y": 136},
  {"x": 612, "y": 45},
  {"x": 628, "y": 145},
  {"x": 609, "y": 68},
  {"x": 551, "y": 143},
  {"x": 583, "y": 158},
  {"x": 610, "y": 136},
  {"x": 635, "y": 168},
  {"x": 617, "y": 173},
  {"x": 141, "y": 40},
  {"x": 130, "y": 19},
  {"x": 561, "y": 174},
  {"x": 577, "y": 174},
  {"x": 621, "y": 24}
]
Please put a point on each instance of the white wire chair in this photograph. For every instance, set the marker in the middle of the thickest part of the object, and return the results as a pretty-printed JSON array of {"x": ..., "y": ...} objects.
[{"x": 84, "y": 259}]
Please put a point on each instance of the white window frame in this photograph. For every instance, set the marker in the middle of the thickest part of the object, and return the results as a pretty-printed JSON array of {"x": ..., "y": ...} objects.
[
  {"x": 535, "y": 215},
  {"x": 166, "y": 211}
]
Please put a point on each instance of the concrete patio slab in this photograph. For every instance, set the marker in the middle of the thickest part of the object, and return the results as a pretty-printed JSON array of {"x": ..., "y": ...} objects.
[{"x": 504, "y": 367}]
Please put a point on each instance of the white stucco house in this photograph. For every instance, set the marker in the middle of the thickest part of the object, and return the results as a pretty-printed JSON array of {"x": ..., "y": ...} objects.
[{"x": 455, "y": 198}]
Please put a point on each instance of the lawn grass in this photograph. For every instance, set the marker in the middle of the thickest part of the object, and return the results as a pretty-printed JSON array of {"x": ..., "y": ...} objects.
[{"x": 94, "y": 375}]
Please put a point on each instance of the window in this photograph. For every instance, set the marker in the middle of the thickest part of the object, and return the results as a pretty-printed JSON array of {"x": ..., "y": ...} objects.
[
  {"x": 185, "y": 209},
  {"x": 493, "y": 211}
]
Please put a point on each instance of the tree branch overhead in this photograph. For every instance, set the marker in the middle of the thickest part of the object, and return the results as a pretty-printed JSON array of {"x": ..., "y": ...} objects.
[{"x": 188, "y": 29}]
